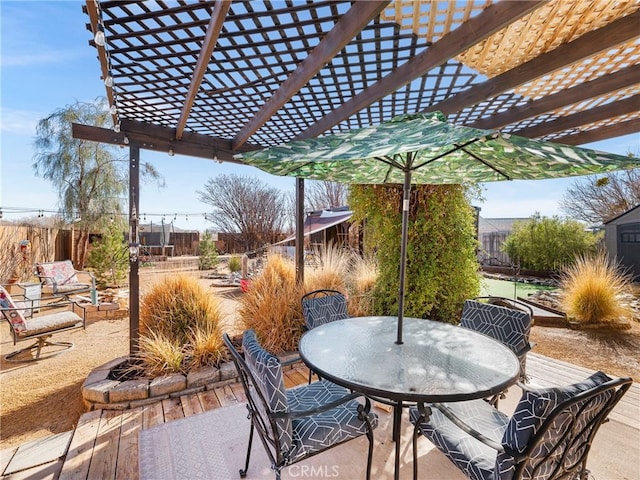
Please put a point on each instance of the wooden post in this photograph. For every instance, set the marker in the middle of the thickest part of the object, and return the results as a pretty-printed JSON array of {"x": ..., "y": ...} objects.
[
  {"x": 299, "y": 231},
  {"x": 134, "y": 245}
]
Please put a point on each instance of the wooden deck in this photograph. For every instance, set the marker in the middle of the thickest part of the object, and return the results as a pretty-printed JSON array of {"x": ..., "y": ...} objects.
[{"x": 104, "y": 445}]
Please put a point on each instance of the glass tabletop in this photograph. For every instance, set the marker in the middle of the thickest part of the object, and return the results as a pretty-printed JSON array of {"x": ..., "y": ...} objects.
[{"x": 437, "y": 362}]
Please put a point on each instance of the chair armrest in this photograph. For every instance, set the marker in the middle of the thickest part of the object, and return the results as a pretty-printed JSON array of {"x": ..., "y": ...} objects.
[
  {"x": 466, "y": 428},
  {"x": 366, "y": 408}
]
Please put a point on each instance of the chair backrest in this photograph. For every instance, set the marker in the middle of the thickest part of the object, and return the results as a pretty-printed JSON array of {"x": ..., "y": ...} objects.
[
  {"x": 323, "y": 306},
  {"x": 551, "y": 431},
  {"x": 14, "y": 312},
  {"x": 511, "y": 327},
  {"x": 60, "y": 273},
  {"x": 263, "y": 382}
]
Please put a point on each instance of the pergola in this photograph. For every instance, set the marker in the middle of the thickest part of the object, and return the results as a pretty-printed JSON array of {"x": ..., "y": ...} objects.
[{"x": 214, "y": 78}]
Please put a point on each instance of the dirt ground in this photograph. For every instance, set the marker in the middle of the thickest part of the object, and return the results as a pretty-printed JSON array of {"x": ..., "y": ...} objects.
[{"x": 42, "y": 398}]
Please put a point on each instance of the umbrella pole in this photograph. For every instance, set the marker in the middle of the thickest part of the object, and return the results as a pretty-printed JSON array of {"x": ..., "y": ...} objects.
[{"x": 406, "y": 191}]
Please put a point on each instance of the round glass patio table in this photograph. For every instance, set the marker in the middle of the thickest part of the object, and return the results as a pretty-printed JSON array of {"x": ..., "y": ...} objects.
[{"x": 437, "y": 362}]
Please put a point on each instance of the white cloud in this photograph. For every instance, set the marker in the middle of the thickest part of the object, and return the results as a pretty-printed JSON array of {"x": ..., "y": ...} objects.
[{"x": 21, "y": 122}]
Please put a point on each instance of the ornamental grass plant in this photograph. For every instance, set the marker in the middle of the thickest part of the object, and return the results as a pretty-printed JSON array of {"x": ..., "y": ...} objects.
[
  {"x": 179, "y": 327},
  {"x": 361, "y": 281},
  {"x": 270, "y": 306},
  {"x": 592, "y": 288}
]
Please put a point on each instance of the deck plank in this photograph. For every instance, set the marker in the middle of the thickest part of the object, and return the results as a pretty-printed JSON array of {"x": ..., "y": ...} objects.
[
  {"x": 191, "y": 405},
  {"x": 127, "y": 462},
  {"x": 47, "y": 471},
  {"x": 105, "y": 451},
  {"x": 225, "y": 396},
  {"x": 78, "y": 459},
  {"x": 209, "y": 400},
  {"x": 39, "y": 452},
  {"x": 172, "y": 408},
  {"x": 152, "y": 415},
  {"x": 5, "y": 457}
]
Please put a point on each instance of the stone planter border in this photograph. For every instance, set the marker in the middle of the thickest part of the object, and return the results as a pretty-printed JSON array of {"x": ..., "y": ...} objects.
[{"x": 100, "y": 392}]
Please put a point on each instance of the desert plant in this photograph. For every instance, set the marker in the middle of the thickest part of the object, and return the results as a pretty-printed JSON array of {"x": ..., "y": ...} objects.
[
  {"x": 179, "y": 314},
  {"x": 271, "y": 306},
  {"x": 234, "y": 264},
  {"x": 109, "y": 256},
  {"x": 208, "y": 254},
  {"x": 591, "y": 288}
]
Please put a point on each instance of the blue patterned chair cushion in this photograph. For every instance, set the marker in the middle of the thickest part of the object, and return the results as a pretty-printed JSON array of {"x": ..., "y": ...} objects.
[
  {"x": 267, "y": 372},
  {"x": 473, "y": 457},
  {"x": 320, "y": 431},
  {"x": 324, "y": 309},
  {"x": 536, "y": 405},
  {"x": 481, "y": 462},
  {"x": 511, "y": 327}
]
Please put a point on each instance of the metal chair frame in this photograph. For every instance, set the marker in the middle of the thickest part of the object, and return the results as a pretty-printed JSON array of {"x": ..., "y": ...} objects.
[
  {"x": 570, "y": 441},
  {"x": 267, "y": 428}
]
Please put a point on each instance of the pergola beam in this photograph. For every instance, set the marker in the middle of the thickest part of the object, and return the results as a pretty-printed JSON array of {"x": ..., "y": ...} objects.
[
  {"x": 600, "y": 86},
  {"x": 204, "y": 58},
  {"x": 490, "y": 20},
  {"x": 601, "y": 133},
  {"x": 593, "y": 115},
  {"x": 349, "y": 25},
  {"x": 589, "y": 44},
  {"x": 162, "y": 139}
]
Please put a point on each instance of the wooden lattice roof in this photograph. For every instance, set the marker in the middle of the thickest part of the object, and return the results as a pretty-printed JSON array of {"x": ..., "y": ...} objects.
[{"x": 213, "y": 78}]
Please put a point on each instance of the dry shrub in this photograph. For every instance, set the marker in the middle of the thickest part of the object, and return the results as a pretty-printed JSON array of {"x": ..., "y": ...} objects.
[
  {"x": 331, "y": 272},
  {"x": 160, "y": 355},
  {"x": 269, "y": 307},
  {"x": 591, "y": 290},
  {"x": 361, "y": 281},
  {"x": 180, "y": 326}
]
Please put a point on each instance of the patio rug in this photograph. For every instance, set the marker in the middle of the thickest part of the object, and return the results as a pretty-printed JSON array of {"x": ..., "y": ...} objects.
[
  {"x": 212, "y": 446},
  {"x": 207, "y": 446}
]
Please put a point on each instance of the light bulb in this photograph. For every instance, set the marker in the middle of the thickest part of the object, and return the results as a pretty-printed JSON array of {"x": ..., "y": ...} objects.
[
  {"x": 108, "y": 81},
  {"x": 113, "y": 110},
  {"x": 99, "y": 38},
  {"x": 116, "y": 128}
]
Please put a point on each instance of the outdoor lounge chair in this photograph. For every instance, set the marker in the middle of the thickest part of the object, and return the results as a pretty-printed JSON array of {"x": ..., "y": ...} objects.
[
  {"x": 549, "y": 435},
  {"x": 294, "y": 424},
  {"x": 24, "y": 326},
  {"x": 60, "y": 278}
]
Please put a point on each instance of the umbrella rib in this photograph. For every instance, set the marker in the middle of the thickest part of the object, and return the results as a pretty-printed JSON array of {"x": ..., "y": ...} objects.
[
  {"x": 497, "y": 170},
  {"x": 389, "y": 161},
  {"x": 455, "y": 148}
]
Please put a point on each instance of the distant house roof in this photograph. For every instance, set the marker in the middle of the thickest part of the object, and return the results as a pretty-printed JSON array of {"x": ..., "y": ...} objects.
[
  {"x": 321, "y": 220},
  {"x": 487, "y": 225},
  {"x": 622, "y": 215}
]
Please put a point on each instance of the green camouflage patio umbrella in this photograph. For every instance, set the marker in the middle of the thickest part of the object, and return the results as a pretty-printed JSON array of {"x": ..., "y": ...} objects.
[{"x": 426, "y": 149}]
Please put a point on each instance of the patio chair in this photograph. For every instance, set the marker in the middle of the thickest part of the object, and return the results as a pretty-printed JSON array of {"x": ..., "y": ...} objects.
[
  {"x": 323, "y": 306},
  {"x": 507, "y": 325},
  {"x": 549, "y": 435},
  {"x": 62, "y": 279},
  {"x": 294, "y": 424},
  {"x": 24, "y": 326}
]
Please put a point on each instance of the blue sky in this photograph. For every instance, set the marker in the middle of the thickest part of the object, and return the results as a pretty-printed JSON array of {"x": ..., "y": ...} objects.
[{"x": 47, "y": 63}]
